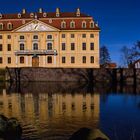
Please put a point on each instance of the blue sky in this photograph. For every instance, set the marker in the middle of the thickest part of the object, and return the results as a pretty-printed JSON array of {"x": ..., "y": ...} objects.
[{"x": 119, "y": 20}]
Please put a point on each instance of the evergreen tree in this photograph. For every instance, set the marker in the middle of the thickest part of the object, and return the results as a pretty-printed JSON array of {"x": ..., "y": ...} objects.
[{"x": 104, "y": 56}]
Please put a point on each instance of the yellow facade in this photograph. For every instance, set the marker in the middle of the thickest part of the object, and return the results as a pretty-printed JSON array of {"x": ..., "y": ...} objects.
[{"x": 73, "y": 56}]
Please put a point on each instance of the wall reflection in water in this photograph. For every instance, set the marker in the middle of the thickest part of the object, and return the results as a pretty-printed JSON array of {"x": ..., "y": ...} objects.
[{"x": 51, "y": 110}]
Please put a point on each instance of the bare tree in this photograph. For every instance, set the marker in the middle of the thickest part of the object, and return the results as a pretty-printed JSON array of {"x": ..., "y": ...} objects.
[{"x": 130, "y": 55}]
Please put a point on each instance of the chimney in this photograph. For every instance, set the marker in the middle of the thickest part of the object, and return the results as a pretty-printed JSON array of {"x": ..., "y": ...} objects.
[
  {"x": 23, "y": 11},
  {"x": 40, "y": 10},
  {"x": 57, "y": 12},
  {"x": 78, "y": 12}
]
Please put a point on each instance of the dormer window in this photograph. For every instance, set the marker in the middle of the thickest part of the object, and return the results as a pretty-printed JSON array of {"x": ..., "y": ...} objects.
[
  {"x": 19, "y": 15},
  {"x": 91, "y": 24},
  {"x": 9, "y": 26},
  {"x": 63, "y": 24},
  {"x": 0, "y": 16},
  {"x": 1, "y": 26},
  {"x": 72, "y": 24},
  {"x": 84, "y": 24},
  {"x": 31, "y": 15},
  {"x": 44, "y": 14}
]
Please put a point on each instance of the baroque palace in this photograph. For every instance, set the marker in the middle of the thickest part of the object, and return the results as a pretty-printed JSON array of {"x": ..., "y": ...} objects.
[{"x": 49, "y": 39}]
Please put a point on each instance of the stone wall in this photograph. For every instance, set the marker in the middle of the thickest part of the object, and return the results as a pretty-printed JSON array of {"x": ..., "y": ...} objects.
[{"x": 123, "y": 76}]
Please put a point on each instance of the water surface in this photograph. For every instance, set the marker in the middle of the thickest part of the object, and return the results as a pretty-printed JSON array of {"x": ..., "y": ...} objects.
[{"x": 54, "y": 111}]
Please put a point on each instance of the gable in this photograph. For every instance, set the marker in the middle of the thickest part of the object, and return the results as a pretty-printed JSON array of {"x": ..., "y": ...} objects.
[{"x": 36, "y": 26}]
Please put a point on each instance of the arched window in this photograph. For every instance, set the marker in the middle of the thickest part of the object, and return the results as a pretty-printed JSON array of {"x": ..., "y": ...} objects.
[
  {"x": 63, "y": 24},
  {"x": 31, "y": 15},
  {"x": 35, "y": 37},
  {"x": 1, "y": 26},
  {"x": 35, "y": 46},
  {"x": 72, "y": 24},
  {"x": 49, "y": 36},
  {"x": 49, "y": 46},
  {"x": 21, "y": 46},
  {"x": 49, "y": 59},
  {"x": 0, "y": 15},
  {"x": 84, "y": 24},
  {"x": 21, "y": 59},
  {"x": 9, "y": 26},
  {"x": 19, "y": 15},
  {"x": 91, "y": 24}
]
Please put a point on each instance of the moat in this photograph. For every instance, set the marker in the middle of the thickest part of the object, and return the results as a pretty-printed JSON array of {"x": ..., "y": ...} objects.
[{"x": 55, "y": 110}]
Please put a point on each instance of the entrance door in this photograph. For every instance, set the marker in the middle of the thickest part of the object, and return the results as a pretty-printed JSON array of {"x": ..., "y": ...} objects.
[{"x": 35, "y": 61}]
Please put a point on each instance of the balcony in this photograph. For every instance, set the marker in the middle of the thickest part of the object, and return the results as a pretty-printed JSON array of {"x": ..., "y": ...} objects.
[{"x": 36, "y": 52}]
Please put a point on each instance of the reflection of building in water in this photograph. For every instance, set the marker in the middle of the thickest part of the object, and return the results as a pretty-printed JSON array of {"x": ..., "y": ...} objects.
[{"x": 48, "y": 110}]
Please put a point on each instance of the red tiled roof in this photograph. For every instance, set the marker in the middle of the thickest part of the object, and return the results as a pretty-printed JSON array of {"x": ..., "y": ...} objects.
[
  {"x": 56, "y": 21},
  {"x": 78, "y": 24}
]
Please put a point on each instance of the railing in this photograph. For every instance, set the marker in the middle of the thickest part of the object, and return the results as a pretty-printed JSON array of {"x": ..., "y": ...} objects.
[{"x": 37, "y": 52}]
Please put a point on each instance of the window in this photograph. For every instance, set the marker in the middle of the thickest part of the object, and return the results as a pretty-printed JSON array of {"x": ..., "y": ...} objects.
[
  {"x": 72, "y": 46},
  {"x": 49, "y": 46},
  {"x": 31, "y": 15},
  {"x": 9, "y": 47},
  {"x": 35, "y": 37},
  {"x": 9, "y": 60},
  {"x": 72, "y": 24},
  {"x": 49, "y": 37},
  {"x": 63, "y": 24},
  {"x": 0, "y": 36},
  {"x": 21, "y": 37},
  {"x": 1, "y": 26},
  {"x": 72, "y": 36},
  {"x": 84, "y": 24},
  {"x": 92, "y": 59},
  {"x": 91, "y": 46},
  {"x": 8, "y": 36},
  {"x": 63, "y": 35},
  {"x": 0, "y": 47},
  {"x": 21, "y": 46},
  {"x": 91, "y": 35},
  {"x": 83, "y": 35},
  {"x": 63, "y": 46},
  {"x": 9, "y": 26},
  {"x": 72, "y": 59},
  {"x": 35, "y": 46},
  {"x": 49, "y": 59},
  {"x": 63, "y": 59},
  {"x": 22, "y": 60},
  {"x": 84, "y": 46},
  {"x": 84, "y": 59},
  {"x": 92, "y": 24},
  {"x": 19, "y": 15},
  {"x": 1, "y": 60}
]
